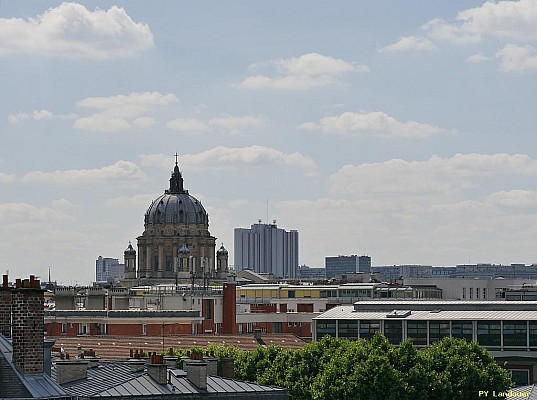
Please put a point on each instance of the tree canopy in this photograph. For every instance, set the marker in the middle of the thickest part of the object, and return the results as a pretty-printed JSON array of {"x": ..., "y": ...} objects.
[{"x": 343, "y": 370}]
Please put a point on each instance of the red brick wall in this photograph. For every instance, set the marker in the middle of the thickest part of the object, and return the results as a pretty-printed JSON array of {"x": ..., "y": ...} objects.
[
  {"x": 303, "y": 331},
  {"x": 28, "y": 325},
  {"x": 55, "y": 329},
  {"x": 5, "y": 311},
  {"x": 263, "y": 308},
  {"x": 173, "y": 329},
  {"x": 304, "y": 308},
  {"x": 229, "y": 318},
  {"x": 125, "y": 329}
]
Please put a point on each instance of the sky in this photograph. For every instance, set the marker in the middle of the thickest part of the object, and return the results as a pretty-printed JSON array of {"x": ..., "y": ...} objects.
[{"x": 404, "y": 130}]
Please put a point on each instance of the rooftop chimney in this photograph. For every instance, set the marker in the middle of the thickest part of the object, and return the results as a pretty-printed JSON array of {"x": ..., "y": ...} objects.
[
  {"x": 157, "y": 370},
  {"x": 47, "y": 360},
  {"x": 5, "y": 308},
  {"x": 71, "y": 370},
  {"x": 212, "y": 364},
  {"x": 136, "y": 363},
  {"x": 196, "y": 373},
  {"x": 228, "y": 367},
  {"x": 28, "y": 325}
]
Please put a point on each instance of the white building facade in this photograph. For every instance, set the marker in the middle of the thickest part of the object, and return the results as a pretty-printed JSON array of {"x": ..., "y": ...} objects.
[{"x": 267, "y": 249}]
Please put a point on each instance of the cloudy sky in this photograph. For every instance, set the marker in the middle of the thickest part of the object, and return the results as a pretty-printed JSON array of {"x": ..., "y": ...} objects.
[{"x": 401, "y": 130}]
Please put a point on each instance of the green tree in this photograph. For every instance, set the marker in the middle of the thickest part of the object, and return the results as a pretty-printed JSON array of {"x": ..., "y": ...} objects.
[
  {"x": 459, "y": 369},
  {"x": 337, "y": 369}
]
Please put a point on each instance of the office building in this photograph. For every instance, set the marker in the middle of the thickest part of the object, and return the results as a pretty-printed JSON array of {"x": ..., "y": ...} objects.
[
  {"x": 306, "y": 273},
  {"x": 108, "y": 269},
  {"x": 267, "y": 249},
  {"x": 341, "y": 265}
]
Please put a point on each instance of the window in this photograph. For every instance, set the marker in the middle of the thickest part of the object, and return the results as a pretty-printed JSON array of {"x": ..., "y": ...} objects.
[
  {"x": 533, "y": 333},
  {"x": 471, "y": 293},
  {"x": 515, "y": 333},
  {"x": 64, "y": 327},
  {"x": 208, "y": 309},
  {"x": 438, "y": 330},
  {"x": 291, "y": 294},
  {"x": 489, "y": 333},
  {"x": 477, "y": 293},
  {"x": 326, "y": 327},
  {"x": 484, "y": 293},
  {"x": 521, "y": 377},
  {"x": 347, "y": 329},
  {"x": 102, "y": 329},
  {"x": 462, "y": 330},
  {"x": 368, "y": 328},
  {"x": 464, "y": 293},
  {"x": 417, "y": 332},
  {"x": 393, "y": 330},
  {"x": 83, "y": 329},
  {"x": 144, "y": 329}
]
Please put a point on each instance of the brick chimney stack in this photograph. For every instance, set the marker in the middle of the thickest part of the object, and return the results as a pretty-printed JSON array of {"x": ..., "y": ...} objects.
[
  {"x": 229, "y": 320},
  {"x": 5, "y": 308},
  {"x": 28, "y": 325}
]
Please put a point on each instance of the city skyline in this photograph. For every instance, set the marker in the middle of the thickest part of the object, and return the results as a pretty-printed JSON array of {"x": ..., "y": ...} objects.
[{"x": 402, "y": 130}]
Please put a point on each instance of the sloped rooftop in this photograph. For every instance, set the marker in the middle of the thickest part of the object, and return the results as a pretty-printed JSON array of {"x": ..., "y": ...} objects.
[{"x": 118, "y": 347}]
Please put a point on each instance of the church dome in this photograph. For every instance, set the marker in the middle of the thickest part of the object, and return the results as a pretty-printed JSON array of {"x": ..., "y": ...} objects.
[
  {"x": 222, "y": 251},
  {"x": 130, "y": 250},
  {"x": 176, "y": 206}
]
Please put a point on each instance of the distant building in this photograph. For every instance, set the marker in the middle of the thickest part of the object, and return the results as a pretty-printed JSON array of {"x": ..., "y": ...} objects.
[
  {"x": 306, "y": 273},
  {"x": 391, "y": 273},
  {"x": 107, "y": 269},
  {"x": 342, "y": 265},
  {"x": 267, "y": 249}
]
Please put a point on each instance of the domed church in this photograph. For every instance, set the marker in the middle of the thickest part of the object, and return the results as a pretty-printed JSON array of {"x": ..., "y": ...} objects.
[{"x": 176, "y": 244}]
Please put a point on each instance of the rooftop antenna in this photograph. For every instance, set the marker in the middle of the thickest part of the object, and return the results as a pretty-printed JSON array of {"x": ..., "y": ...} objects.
[
  {"x": 49, "y": 274},
  {"x": 267, "y": 212}
]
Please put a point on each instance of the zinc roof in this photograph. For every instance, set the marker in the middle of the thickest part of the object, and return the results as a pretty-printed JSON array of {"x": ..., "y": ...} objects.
[
  {"x": 347, "y": 312},
  {"x": 115, "y": 380}
]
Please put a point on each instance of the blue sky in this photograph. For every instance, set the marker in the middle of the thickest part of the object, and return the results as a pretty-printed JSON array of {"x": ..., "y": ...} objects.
[{"x": 401, "y": 130}]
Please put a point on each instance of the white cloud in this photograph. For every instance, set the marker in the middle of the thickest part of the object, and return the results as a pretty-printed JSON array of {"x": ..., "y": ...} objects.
[
  {"x": 233, "y": 157},
  {"x": 136, "y": 202},
  {"x": 189, "y": 125},
  {"x": 71, "y": 30},
  {"x": 18, "y": 118},
  {"x": 436, "y": 176},
  {"x": 237, "y": 124},
  {"x": 505, "y": 20},
  {"x": 514, "y": 198},
  {"x": 22, "y": 212},
  {"x": 37, "y": 115},
  {"x": 307, "y": 71},
  {"x": 512, "y": 20},
  {"x": 120, "y": 172},
  {"x": 229, "y": 124},
  {"x": 143, "y": 122},
  {"x": 515, "y": 58},
  {"x": 42, "y": 114},
  {"x": 478, "y": 58},
  {"x": 6, "y": 178},
  {"x": 409, "y": 43},
  {"x": 375, "y": 123},
  {"x": 121, "y": 112}
]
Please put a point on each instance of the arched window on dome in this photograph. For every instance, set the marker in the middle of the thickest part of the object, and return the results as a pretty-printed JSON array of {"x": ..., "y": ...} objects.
[{"x": 181, "y": 217}]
